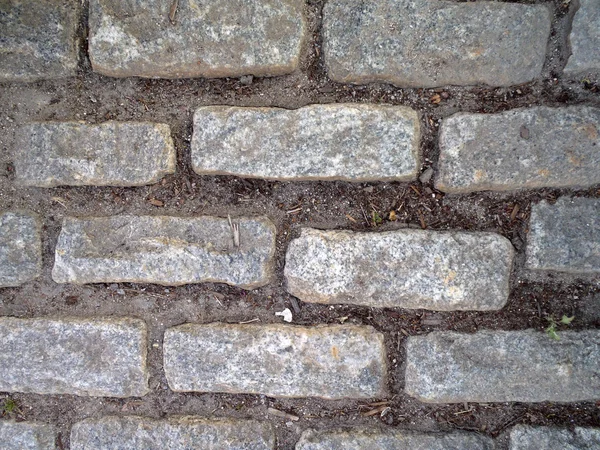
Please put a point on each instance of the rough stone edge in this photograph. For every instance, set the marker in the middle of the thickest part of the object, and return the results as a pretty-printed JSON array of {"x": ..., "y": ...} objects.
[
  {"x": 384, "y": 389},
  {"x": 163, "y": 129},
  {"x": 47, "y": 431},
  {"x": 414, "y": 151},
  {"x": 38, "y": 230}
]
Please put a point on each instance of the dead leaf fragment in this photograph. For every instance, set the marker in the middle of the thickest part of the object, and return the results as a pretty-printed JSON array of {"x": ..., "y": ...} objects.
[
  {"x": 156, "y": 202},
  {"x": 393, "y": 216},
  {"x": 282, "y": 414},
  {"x": 435, "y": 99}
]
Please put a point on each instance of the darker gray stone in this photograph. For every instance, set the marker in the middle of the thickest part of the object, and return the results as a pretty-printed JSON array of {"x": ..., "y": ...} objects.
[
  {"x": 165, "y": 250},
  {"x": 331, "y": 362},
  {"x": 523, "y": 437},
  {"x": 26, "y": 436},
  {"x": 342, "y": 142},
  {"x": 363, "y": 439},
  {"x": 428, "y": 43},
  {"x": 565, "y": 236},
  {"x": 176, "y": 433},
  {"x": 435, "y": 270},
  {"x": 96, "y": 357},
  {"x": 20, "y": 248},
  {"x": 520, "y": 149},
  {"x": 503, "y": 366},
  {"x": 585, "y": 39},
  {"x": 49, "y": 154},
  {"x": 181, "y": 39},
  {"x": 38, "y": 39}
]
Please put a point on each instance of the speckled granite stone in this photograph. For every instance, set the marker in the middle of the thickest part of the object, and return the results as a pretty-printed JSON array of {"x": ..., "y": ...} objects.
[
  {"x": 363, "y": 439},
  {"x": 26, "y": 436},
  {"x": 584, "y": 39},
  {"x": 565, "y": 236},
  {"x": 211, "y": 38},
  {"x": 520, "y": 149},
  {"x": 165, "y": 250},
  {"x": 436, "y": 270},
  {"x": 351, "y": 142},
  {"x": 503, "y": 366},
  {"x": 20, "y": 248},
  {"x": 331, "y": 362},
  {"x": 38, "y": 39},
  {"x": 49, "y": 154},
  {"x": 428, "y": 43},
  {"x": 176, "y": 433},
  {"x": 523, "y": 437},
  {"x": 86, "y": 357}
]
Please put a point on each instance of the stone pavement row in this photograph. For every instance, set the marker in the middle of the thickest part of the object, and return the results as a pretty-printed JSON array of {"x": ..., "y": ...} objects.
[
  {"x": 410, "y": 44},
  {"x": 518, "y": 149},
  {"x": 197, "y": 433},
  {"x": 104, "y": 357},
  {"x": 438, "y": 270}
]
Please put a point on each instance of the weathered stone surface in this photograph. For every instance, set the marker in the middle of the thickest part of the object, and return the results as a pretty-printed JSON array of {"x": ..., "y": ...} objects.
[
  {"x": 362, "y": 439},
  {"x": 38, "y": 39},
  {"x": 20, "y": 248},
  {"x": 337, "y": 142},
  {"x": 436, "y": 270},
  {"x": 205, "y": 39},
  {"x": 165, "y": 250},
  {"x": 177, "y": 433},
  {"x": 428, "y": 43},
  {"x": 522, "y": 148},
  {"x": 51, "y": 154},
  {"x": 524, "y": 437},
  {"x": 96, "y": 357},
  {"x": 565, "y": 236},
  {"x": 585, "y": 38},
  {"x": 503, "y": 366},
  {"x": 26, "y": 436},
  {"x": 277, "y": 360}
]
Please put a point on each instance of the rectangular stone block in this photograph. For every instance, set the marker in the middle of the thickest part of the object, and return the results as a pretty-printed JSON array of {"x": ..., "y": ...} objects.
[
  {"x": 181, "y": 39},
  {"x": 429, "y": 43},
  {"x": 331, "y": 362},
  {"x": 86, "y": 357},
  {"x": 38, "y": 39},
  {"x": 165, "y": 250},
  {"x": 26, "y": 436},
  {"x": 584, "y": 39},
  {"x": 362, "y": 439},
  {"x": 436, "y": 270},
  {"x": 523, "y": 437},
  {"x": 503, "y": 366},
  {"x": 565, "y": 236},
  {"x": 20, "y": 248},
  {"x": 520, "y": 149},
  {"x": 176, "y": 433},
  {"x": 49, "y": 154},
  {"x": 318, "y": 142}
]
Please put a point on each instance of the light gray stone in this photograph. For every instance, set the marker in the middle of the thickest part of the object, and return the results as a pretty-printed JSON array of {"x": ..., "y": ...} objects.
[
  {"x": 436, "y": 270},
  {"x": 86, "y": 357},
  {"x": 49, "y": 154},
  {"x": 176, "y": 433},
  {"x": 565, "y": 236},
  {"x": 211, "y": 38},
  {"x": 503, "y": 366},
  {"x": 351, "y": 142},
  {"x": 523, "y": 437},
  {"x": 331, "y": 362},
  {"x": 26, "y": 436},
  {"x": 585, "y": 39},
  {"x": 520, "y": 149},
  {"x": 363, "y": 439},
  {"x": 20, "y": 248},
  {"x": 428, "y": 43},
  {"x": 165, "y": 250},
  {"x": 38, "y": 39}
]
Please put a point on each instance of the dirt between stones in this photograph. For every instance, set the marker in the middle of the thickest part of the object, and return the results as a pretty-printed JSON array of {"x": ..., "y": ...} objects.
[{"x": 93, "y": 98}]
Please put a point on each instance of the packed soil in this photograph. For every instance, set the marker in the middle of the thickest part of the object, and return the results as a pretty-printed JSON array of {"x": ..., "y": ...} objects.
[{"x": 92, "y": 98}]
